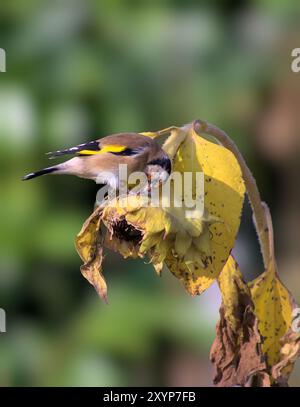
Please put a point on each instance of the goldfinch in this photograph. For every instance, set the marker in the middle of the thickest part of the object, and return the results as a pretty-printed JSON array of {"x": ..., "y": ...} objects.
[{"x": 99, "y": 160}]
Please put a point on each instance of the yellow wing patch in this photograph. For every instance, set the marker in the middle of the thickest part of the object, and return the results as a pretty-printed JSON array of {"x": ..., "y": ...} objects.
[{"x": 113, "y": 148}]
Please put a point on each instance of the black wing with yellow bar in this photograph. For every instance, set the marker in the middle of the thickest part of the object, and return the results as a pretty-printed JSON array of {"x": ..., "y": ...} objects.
[{"x": 93, "y": 147}]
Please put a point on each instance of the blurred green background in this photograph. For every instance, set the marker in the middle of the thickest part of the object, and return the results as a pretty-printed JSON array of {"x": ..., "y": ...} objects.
[{"x": 78, "y": 70}]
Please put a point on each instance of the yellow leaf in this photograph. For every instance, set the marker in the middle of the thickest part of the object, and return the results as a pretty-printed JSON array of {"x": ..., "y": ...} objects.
[
  {"x": 224, "y": 196},
  {"x": 273, "y": 309},
  {"x": 273, "y": 304},
  {"x": 89, "y": 247},
  {"x": 86, "y": 238}
]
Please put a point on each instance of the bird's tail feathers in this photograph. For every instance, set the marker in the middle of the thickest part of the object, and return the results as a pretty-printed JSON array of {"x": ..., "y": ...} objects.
[{"x": 44, "y": 171}]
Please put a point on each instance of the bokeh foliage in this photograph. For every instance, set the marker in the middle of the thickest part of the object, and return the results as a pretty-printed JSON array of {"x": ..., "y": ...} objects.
[{"x": 78, "y": 70}]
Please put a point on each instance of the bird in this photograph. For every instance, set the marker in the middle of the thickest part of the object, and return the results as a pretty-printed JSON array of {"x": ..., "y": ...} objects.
[{"x": 100, "y": 160}]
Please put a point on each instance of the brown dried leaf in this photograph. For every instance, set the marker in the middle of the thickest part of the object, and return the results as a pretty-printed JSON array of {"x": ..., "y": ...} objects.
[
  {"x": 289, "y": 353},
  {"x": 236, "y": 352}
]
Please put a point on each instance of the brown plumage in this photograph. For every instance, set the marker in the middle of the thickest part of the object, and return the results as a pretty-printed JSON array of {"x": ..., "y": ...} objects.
[{"x": 99, "y": 160}]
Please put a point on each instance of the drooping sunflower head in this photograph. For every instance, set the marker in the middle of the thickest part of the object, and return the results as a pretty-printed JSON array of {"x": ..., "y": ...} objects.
[{"x": 195, "y": 249}]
